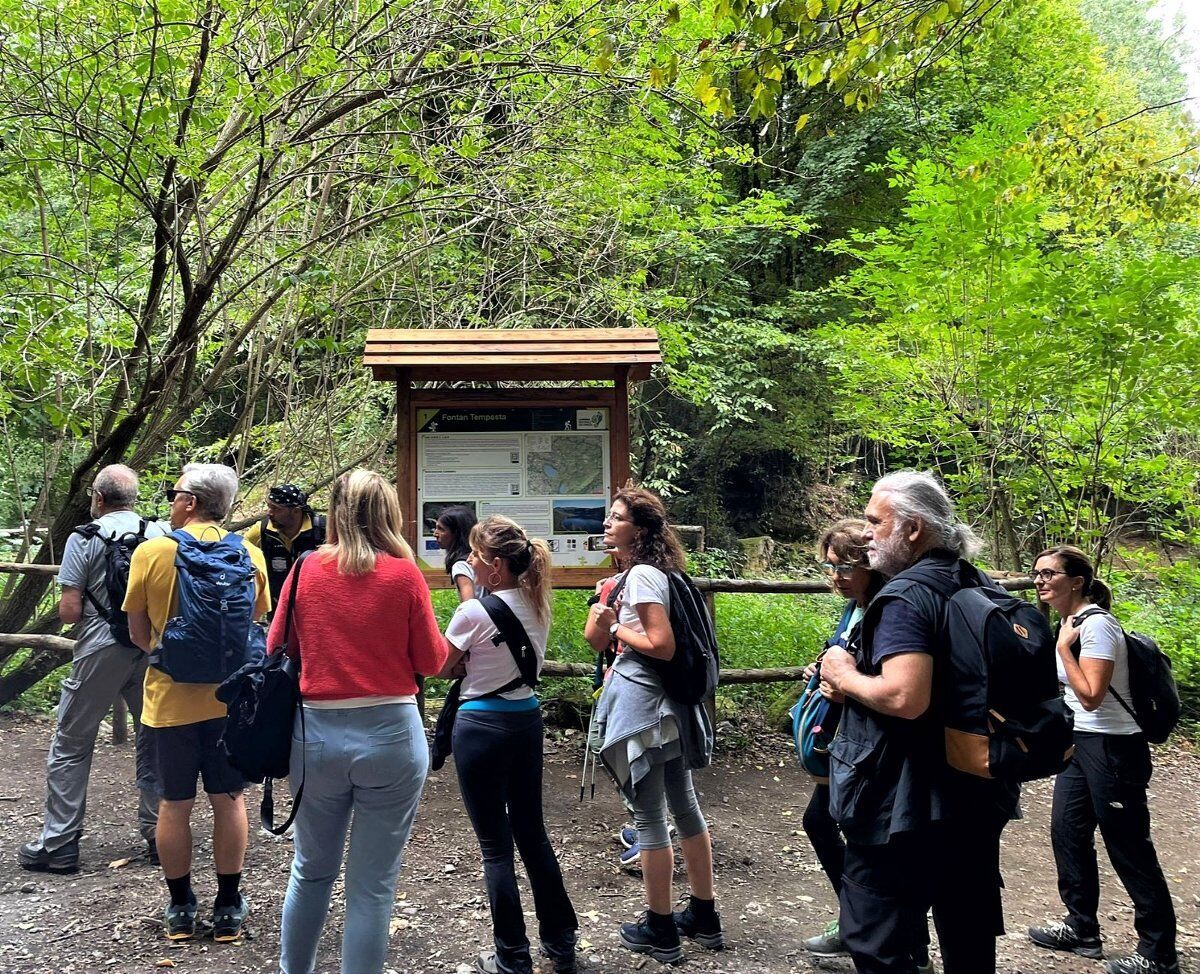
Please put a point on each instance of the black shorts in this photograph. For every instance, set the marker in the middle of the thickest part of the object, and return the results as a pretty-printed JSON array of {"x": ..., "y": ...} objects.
[{"x": 183, "y": 754}]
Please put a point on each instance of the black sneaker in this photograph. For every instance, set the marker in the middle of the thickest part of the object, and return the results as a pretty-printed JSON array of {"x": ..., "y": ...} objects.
[
  {"x": 705, "y": 930},
  {"x": 36, "y": 858},
  {"x": 1061, "y": 936},
  {"x": 181, "y": 920},
  {"x": 657, "y": 937},
  {"x": 227, "y": 920},
  {"x": 1137, "y": 964}
]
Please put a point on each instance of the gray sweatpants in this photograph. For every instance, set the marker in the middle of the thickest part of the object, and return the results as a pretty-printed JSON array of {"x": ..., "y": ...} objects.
[{"x": 87, "y": 695}]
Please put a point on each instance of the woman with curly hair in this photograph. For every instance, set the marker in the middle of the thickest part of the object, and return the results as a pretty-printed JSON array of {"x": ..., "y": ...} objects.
[{"x": 651, "y": 742}]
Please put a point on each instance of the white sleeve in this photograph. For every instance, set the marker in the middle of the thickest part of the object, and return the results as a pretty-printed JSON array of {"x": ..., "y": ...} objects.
[
  {"x": 646, "y": 584},
  {"x": 469, "y": 626},
  {"x": 462, "y": 568},
  {"x": 1100, "y": 637}
]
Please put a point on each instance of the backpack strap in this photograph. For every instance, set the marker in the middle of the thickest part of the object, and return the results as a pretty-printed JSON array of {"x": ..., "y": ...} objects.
[
  {"x": 1088, "y": 613},
  {"x": 513, "y": 635},
  {"x": 88, "y": 532}
]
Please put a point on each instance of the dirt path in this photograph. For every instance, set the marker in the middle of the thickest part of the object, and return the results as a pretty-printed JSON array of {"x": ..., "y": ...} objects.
[{"x": 771, "y": 891}]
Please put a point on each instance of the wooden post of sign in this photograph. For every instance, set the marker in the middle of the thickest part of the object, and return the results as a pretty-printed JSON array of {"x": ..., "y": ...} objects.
[
  {"x": 619, "y": 421},
  {"x": 406, "y": 457}
]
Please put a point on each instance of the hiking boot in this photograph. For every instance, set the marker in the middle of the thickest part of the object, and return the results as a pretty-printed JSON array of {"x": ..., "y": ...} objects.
[
  {"x": 180, "y": 920},
  {"x": 1137, "y": 964},
  {"x": 627, "y": 836},
  {"x": 152, "y": 853},
  {"x": 227, "y": 920},
  {"x": 38, "y": 859},
  {"x": 488, "y": 962},
  {"x": 655, "y": 935},
  {"x": 701, "y": 924},
  {"x": 1061, "y": 936},
  {"x": 828, "y": 943},
  {"x": 563, "y": 963}
]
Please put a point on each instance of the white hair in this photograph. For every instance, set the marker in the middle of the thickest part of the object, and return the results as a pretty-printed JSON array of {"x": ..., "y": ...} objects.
[
  {"x": 214, "y": 485},
  {"x": 119, "y": 485},
  {"x": 917, "y": 496}
]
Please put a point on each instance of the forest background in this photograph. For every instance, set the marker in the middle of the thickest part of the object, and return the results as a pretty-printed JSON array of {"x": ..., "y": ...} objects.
[{"x": 962, "y": 235}]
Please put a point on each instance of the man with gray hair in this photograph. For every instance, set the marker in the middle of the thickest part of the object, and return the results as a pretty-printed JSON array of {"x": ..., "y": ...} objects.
[
  {"x": 918, "y": 832},
  {"x": 103, "y": 665},
  {"x": 184, "y": 721}
]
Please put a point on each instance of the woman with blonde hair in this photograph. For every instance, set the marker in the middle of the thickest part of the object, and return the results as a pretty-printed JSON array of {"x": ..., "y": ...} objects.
[
  {"x": 497, "y": 742},
  {"x": 362, "y": 626}
]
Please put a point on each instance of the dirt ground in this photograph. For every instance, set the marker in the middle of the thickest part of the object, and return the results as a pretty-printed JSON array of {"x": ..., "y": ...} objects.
[{"x": 771, "y": 891}]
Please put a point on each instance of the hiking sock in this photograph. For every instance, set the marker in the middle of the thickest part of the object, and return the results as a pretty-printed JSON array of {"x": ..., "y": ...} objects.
[
  {"x": 702, "y": 909},
  {"x": 181, "y": 890},
  {"x": 660, "y": 921},
  {"x": 227, "y": 889}
]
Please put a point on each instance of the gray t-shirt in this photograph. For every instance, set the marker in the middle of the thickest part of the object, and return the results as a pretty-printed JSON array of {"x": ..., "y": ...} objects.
[{"x": 83, "y": 568}]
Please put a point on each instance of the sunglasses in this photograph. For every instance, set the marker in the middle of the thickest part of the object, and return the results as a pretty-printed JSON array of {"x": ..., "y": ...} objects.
[
  {"x": 172, "y": 493},
  {"x": 841, "y": 571}
]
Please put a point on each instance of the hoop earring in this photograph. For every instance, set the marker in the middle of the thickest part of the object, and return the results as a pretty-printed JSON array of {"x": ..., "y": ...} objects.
[{"x": 494, "y": 579}]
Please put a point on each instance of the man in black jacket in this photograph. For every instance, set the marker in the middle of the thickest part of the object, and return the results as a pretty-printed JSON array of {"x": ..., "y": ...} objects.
[
  {"x": 918, "y": 833},
  {"x": 289, "y": 529}
]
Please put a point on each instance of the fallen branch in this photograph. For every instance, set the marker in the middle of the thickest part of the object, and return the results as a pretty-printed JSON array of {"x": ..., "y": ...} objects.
[{"x": 35, "y": 640}]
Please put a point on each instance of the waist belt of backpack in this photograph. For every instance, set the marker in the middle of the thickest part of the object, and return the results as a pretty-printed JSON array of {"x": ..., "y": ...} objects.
[{"x": 266, "y": 810}]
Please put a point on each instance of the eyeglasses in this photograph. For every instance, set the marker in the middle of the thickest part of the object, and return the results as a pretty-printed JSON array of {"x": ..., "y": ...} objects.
[
  {"x": 172, "y": 493},
  {"x": 91, "y": 492},
  {"x": 1045, "y": 574},
  {"x": 614, "y": 518},
  {"x": 841, "y": 571}
]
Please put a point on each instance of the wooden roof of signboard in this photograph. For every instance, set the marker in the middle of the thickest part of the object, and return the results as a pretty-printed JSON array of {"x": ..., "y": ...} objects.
[{"x": 516, "y": 354}]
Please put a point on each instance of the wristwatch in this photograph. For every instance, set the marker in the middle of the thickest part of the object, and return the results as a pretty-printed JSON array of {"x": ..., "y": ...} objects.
[{"x": 612, "y": 630}]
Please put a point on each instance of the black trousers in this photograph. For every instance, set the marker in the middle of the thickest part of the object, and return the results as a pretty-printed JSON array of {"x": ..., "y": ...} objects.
[
  {"x": 825, "y": 836},
  {"x": 499, "y": 761},
  {"x": 887, "y": 889},
  {"x": 1105, "y": 786}
]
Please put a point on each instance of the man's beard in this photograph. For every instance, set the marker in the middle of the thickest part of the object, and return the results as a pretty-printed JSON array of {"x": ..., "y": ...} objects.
[{"x": 891, "y": 555}]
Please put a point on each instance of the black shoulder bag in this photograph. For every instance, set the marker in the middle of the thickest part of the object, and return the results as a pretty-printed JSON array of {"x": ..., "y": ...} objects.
[{"x": 508, "y": 631}]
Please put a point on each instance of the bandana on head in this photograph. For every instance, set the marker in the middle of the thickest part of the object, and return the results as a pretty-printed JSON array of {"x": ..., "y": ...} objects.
[{"x": 287, "y": 495}]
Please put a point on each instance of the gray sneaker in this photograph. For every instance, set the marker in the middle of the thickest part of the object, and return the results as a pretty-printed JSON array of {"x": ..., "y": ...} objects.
[
  {"x": 1061, "y": 936},
  {"x": 827, "y": 944}
]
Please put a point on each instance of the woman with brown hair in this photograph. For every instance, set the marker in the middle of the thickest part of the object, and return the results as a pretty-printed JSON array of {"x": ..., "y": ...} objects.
[
  {"x": 651, "y": 742},
  {"x": 363, "y": 628},
  {"x": 1105, "y": 783},
  {"x": 497, "y": 743}
]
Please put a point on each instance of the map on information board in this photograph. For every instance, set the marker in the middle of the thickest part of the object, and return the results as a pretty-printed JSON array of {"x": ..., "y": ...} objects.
[{"x": 547, "y": 469}]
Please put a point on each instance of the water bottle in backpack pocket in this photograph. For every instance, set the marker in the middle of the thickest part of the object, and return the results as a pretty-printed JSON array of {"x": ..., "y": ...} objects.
[{"x": 211, "y": 635}]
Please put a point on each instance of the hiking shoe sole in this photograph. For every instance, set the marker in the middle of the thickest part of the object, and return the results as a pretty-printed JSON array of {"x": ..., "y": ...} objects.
[
  {"x": 709, "y": 941},
  {"x": 227, "y": 922},
  {"x": 664, "y": 955}
]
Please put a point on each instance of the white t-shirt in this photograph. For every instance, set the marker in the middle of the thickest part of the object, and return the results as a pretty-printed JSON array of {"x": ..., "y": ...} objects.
[
  {"x": 644, "y": 584},
  {"x": 490, "y": 666},
  {"x": 1101, "y": 637},
  {"x": 462, "y": 568}
]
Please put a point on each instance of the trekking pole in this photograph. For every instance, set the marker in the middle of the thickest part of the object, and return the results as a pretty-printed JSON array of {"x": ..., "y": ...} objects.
[
  {"x": 597, "y": 683},
  {"x": 596, "y": 753}
]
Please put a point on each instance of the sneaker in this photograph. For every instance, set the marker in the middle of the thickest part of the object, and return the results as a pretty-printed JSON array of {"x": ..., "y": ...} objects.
[
  {"x": 627, "y": 836},
  {"x": 489, "y": 963},
  {"x": 181, "y": 920},
  {"x": 827, "y": 944},
  {"x": 658, "y": 939},
  {"x": 227, "y": 920},
  {"x": 1137, "y": 964},
  {"x": 705, "y": 931},
  {"x": 152, "y": 853},
  {"x": 631, "y": 858},
  {"x": 1061, "y": 936},
  {"x": 36, "y": 858}
]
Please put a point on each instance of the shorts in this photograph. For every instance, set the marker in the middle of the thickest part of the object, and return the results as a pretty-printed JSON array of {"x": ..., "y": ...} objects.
[{"x": 183, "y": 754}]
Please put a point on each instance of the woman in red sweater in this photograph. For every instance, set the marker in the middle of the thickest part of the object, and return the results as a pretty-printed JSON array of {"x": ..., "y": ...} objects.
[{"x": 363, "y": 626}]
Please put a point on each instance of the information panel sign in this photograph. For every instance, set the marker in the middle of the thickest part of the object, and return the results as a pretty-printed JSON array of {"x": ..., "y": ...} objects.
[{"x": 547, "y": 469}]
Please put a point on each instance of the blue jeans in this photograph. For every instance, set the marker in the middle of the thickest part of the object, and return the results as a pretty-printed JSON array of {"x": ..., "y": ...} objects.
[{"x": 364, "y": 769}]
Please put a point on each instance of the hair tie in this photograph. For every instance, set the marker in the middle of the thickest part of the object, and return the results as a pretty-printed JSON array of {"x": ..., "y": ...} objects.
[{"x": 528, "y": 545}]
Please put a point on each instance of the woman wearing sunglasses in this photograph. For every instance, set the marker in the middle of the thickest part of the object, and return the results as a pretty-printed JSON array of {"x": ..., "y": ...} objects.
[
  {"x": 844, "y": 554},
  {"x": 1105, "y": 783}
]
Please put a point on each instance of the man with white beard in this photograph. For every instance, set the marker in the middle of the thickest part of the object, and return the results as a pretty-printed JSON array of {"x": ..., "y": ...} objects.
[{"x": 918, "y": 832}]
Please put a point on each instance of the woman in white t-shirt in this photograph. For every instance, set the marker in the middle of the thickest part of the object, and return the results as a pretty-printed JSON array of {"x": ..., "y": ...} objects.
[
  {"x": 452, "y": 532},
  {"x": 651, "y": 742},
  {"x": 1105, "y": 783},
  {"x": 497, "y": 745}
]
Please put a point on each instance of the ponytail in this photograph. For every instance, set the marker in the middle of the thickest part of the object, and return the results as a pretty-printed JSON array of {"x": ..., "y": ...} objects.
[
  {"x": 1100, "y": 593},
  {"x": 536, "y": 578}
]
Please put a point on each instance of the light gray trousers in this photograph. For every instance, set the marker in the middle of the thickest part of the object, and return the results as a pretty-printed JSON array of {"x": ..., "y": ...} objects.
[{"x": 87, "y": 695}]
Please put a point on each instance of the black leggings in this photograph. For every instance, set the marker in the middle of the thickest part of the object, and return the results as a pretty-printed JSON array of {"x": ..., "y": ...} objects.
[
  {"x": 1105, "y": 786},
  {"x": 499, "y": 761},
  {"x": 825, "y": 836}
]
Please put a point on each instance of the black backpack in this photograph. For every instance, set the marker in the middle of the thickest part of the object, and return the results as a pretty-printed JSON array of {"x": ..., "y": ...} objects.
[
  {"x": 1154, "y": 703},
  {"x": 692, "y": 674},
  {"x": 118, "y": 552},
  {"x": 262, "y": 699},
  {"x": 999, "y": 694}
]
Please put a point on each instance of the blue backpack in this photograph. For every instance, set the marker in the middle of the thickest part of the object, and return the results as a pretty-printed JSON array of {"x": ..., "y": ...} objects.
[
  {"x": 212, "y": 635},
  {"x": 815, "y": 719}
]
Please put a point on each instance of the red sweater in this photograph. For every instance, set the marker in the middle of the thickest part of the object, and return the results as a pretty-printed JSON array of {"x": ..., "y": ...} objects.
[{"x": 360, "y": 635}]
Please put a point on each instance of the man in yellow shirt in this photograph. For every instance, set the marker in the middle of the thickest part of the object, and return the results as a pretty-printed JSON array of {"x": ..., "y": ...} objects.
[{"x": 184, "y": 721}]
